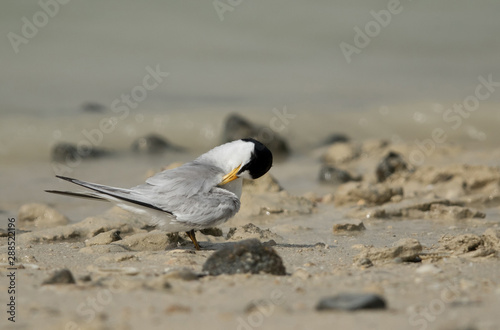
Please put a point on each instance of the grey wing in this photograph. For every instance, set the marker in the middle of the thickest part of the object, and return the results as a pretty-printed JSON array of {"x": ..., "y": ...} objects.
[
  {"x": 190, "y": 192},
  {"x": 187, "y": 180},
  {"x": 202, "y": 210}
]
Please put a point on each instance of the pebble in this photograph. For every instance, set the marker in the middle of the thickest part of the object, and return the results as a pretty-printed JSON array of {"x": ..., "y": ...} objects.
[
  {"x": 214, "y": 231},
  {"x": 393, "y": 162},
  {"x": 248, "y": 256},
  {"x": 365, "y": 263},
  {"x": 60, "y": 276},
  {"x": 352, "y": 302},
  {"x": 70, "y": 153},
  {"x": 348, "y": 227},
  {"x": 93, "y": 107},
  {"x": 335, "y": 176}
]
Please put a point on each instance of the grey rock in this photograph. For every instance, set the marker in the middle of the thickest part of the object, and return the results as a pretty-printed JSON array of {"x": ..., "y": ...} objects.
[
  {"x": 92, "y": 107},
  {"x": 352, "y": 302},
  {"x": 236, "y": 127},
  {"x": 153, "y": 144},
  {"x": 248, "y": 256},
  {"x": 339, "y": 228},
  {"x": 335, "y": 176},
  {"x": 214, "y": 231},
  {"x": 60, "y": 276},
  {"x": 392, "y": 163},
  {"x": 68, "y": 152},
  {"x": 365, "y": 263}
]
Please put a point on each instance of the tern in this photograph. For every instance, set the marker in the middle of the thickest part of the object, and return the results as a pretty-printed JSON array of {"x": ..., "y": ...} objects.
[{"x": 200, "y": 194}]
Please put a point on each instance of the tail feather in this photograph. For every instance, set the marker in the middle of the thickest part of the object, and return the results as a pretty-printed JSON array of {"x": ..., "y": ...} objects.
[
  {"x": 108, "y": 193},
  {"x": 75, "y": 194}
]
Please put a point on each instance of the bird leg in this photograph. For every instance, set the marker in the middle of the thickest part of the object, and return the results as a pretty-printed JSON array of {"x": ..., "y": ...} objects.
[{"x": 193, "y": 238}]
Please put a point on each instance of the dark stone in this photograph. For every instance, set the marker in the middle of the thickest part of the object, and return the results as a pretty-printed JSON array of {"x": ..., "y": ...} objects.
[
  {"x": 352, "y": 302},
  {"x": 116, "y": 236},
  {"x": 335, "y": 138},
  {"x": 213, "y": 231},
  {"x": 153, "y": 144},
  {"x": 60, "y": 276},
  {"x": 93, "y": 107},
  {"x": 85, "y": 278},
  {"x": 248, "y": 256},
  {"x": 335, "y": 176},
  {"x": 68, "y": 152},
  {"x": 236, "y": 127},
  {"x": 365, "y": 262},
  {"x": 389, "y": 165}
]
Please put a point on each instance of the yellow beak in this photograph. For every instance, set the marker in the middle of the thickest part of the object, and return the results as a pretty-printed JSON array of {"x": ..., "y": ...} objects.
[{"x": 230, "y": 176}]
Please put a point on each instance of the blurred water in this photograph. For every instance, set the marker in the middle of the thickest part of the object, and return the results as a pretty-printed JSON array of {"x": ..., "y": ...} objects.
[{"x": 263, "y": 55}]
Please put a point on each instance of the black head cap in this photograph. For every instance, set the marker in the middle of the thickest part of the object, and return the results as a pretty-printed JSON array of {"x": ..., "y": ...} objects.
[{"x": 260, "y": 162}]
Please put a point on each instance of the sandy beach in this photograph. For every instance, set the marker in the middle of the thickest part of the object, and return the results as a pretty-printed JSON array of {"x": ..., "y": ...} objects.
[{"x": 429, "y": 245}]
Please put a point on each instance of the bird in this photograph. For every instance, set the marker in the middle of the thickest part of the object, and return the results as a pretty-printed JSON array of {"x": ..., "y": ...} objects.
[{"x": 199, "y": 194}]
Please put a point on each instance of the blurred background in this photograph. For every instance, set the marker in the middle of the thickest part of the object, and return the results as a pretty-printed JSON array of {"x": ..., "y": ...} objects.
[{"x": 67, "y": 66}]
